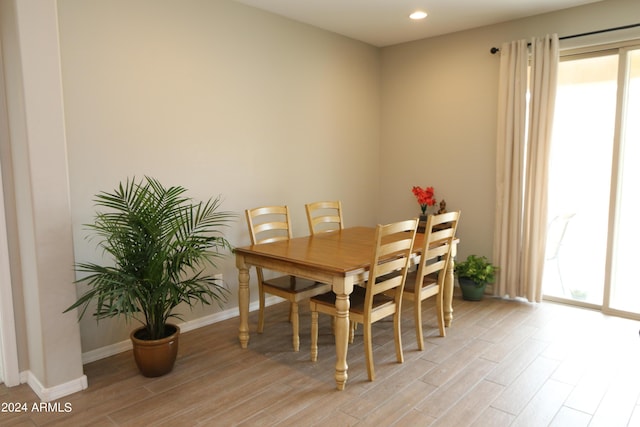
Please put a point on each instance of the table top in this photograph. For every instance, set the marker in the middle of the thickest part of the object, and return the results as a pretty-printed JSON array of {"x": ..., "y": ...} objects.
[{"x": 345, "y": 252}]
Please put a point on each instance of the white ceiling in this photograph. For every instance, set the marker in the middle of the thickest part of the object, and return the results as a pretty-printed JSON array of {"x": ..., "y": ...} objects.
[{"x": 385, "y": 22}]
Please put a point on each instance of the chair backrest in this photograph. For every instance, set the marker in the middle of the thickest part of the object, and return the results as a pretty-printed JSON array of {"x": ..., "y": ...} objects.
[
  {"x": 324, "y": 216},
  {"x": 269, "y": 224},
  {"x": 391, "y": 258},
  {"x": 440, "y": 232}
]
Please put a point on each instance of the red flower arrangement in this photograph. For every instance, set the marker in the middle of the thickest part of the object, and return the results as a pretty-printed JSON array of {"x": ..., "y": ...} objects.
[{"x": 425, "y": 197}]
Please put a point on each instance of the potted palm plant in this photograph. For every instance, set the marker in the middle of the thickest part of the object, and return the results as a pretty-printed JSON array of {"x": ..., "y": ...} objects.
[
  {"x": 160, "y": 243},
  {"x": 474, "y": 274}
]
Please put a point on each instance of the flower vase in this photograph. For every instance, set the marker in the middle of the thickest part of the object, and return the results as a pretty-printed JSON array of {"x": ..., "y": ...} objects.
[{"x": 422, "y": 223}]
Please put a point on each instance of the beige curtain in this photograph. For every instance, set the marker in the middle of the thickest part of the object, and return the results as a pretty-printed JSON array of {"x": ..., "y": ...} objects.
[{"x": 522, "y": 164}]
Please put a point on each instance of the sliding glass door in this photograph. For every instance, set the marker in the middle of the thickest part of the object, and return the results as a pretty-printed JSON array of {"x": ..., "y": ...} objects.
[
  {"x": 594, "y": 182},
  {"x": 580, "y": 178}
]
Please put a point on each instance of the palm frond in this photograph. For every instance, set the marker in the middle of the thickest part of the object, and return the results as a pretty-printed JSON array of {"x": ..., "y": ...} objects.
[{"x": 159, "y": 241}]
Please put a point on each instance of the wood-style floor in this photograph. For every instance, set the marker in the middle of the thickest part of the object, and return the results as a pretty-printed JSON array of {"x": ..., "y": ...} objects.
[{"x": 502, "y": 363}]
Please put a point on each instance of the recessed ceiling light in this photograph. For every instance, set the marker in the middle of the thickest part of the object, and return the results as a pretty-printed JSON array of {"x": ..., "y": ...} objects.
[{"x": 418, "y": 14}]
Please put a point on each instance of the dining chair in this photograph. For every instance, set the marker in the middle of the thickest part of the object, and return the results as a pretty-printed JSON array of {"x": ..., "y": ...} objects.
[
  {"x": 324, "y": 216},
  {"x": 368, "y": 304},
  {"x": 428, "y": 279},
  {"x": 271, "y": 224}
]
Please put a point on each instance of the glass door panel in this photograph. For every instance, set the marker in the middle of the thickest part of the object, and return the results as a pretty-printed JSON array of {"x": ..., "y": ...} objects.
[
  {"x": 625, "y": 282},
  {"x": 579, "y": 179}
]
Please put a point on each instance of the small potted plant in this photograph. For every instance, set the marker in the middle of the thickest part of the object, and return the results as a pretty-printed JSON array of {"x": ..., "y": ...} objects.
[
  {"x": 473, "y": 276},
  {"x": 159, "y": 243}
]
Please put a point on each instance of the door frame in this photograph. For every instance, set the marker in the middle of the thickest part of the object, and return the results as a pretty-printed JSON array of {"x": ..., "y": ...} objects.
[{"x": 8, "y": 344}]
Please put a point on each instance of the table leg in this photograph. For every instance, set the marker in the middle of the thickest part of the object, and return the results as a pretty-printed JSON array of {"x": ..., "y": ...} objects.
[
  {"x": 342, "y": 287},
  {"x": 447, "y": 292},
  {"x": 243, "y": 300},
  {"x": 342, "y": 339}
]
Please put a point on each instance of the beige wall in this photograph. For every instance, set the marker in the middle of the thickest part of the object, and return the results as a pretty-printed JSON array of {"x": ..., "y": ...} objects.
[
  {"x": 226, "y": 99},
  {"x": 439, "y": 109},
  {"x": 222, "y": 99}
]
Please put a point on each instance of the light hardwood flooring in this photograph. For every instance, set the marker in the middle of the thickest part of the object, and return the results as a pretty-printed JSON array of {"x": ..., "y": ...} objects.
[{"x": 502, "y": 363}]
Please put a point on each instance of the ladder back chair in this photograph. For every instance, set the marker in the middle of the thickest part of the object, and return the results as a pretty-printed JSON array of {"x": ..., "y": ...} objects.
[
  {"x": 368, "y": 304},
  {"x": 428, "y": 279},
  {"x": 271, "y": 224},
  {"x": 324, "y": 216}
]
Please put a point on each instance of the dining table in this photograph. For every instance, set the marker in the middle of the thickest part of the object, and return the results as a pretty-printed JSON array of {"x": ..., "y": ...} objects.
[{"x": 340, "y": 258}]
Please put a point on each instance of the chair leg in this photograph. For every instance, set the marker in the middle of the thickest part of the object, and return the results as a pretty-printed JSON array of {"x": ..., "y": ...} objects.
[
  {"x": 398, "y": 337},
  {"x": 296, "y": 326},
  {"x": 440, "y": 313},
  {"x": 314, "y": 334},
  {"x": 352, "y": 330},
  {"x": 260, "y": 309},
  {"x": 368, "y": 350},
  {"x": 417, "y": 316}
]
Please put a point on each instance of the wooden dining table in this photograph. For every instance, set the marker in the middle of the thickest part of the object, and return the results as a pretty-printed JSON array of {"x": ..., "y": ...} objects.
[{"x": 340, "y": 258}]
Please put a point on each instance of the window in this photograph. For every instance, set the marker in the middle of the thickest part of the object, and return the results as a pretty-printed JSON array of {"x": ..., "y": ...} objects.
[{"x": 594, "y": 181}]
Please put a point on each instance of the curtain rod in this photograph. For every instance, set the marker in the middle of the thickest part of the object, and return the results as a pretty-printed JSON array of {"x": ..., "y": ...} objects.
[{"x": 495, "y": 50}]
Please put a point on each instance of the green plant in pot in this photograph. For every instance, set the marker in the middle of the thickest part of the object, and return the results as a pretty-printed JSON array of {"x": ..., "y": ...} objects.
[
  {"x": 160, "y": 244},
  {"x": 474, "y": 274}
]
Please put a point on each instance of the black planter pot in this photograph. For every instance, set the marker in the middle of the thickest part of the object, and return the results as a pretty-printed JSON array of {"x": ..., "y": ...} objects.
[{"x": 470, "y": 289}]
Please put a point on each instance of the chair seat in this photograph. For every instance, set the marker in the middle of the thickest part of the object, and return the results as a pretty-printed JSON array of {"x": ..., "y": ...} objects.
[
  {"x": 294, "y": 288},
  {"x": 293, "y": 284},
  {"x": 410, "y": 283},
  {"x": 356, "y": 300}
]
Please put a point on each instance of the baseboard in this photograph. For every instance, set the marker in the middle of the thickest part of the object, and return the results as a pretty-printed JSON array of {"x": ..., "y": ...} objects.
[
  {"x": 53, "y": 393},
  {"x": 103, "y": 352},
  {"x": 119, "y": 347}
]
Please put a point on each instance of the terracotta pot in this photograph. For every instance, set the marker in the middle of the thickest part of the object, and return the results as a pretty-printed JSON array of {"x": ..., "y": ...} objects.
[{"x": 155, "y": 357}]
